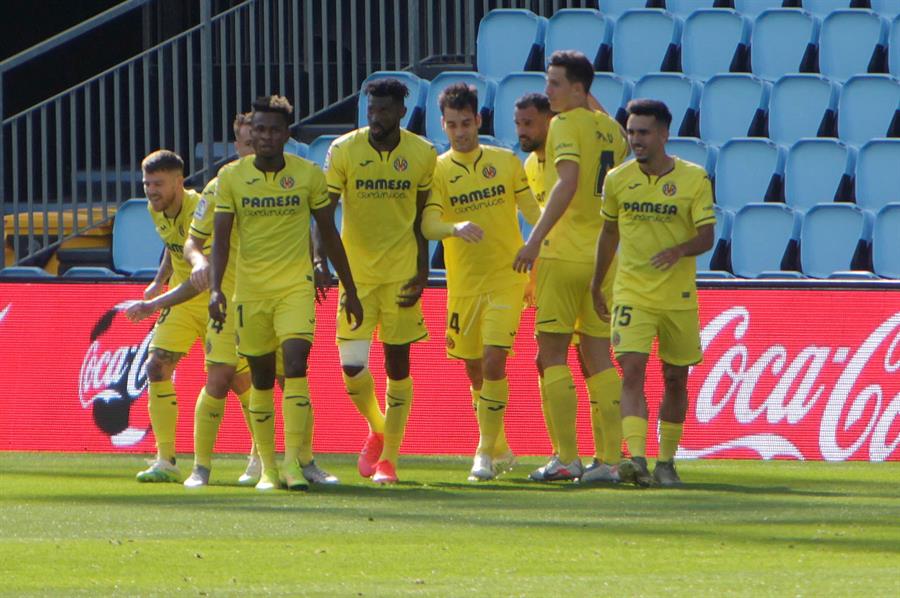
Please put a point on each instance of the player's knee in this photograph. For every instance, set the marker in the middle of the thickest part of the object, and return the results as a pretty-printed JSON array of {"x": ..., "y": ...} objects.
[
  {"x": 157, "y": 369},
  {"x": 396, "y": 361},
  {"x": 240, "y": 383},
  {"x": 473, "y": 372},
  {"x": 354, "y": 356},
  {"x": 538, "y": 365},
  {"x": 494, "y": 363},
  {"x": 296, "y": 356},
  {"x": 352, "y": 370},
  {"x": 218, "y": 380},
  {"x": 675, "y": 378}
]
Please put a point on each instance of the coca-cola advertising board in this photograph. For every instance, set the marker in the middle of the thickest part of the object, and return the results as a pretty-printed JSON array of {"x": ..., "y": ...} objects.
[{"x": 795, "y": 373}]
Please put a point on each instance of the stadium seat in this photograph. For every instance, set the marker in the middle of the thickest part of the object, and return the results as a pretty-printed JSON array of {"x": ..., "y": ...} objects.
[
  {"x": 582, "y": 29},
  {"x": 733, "y": 105},
  {"x": 24, "y": 272},
  {"x": 135, "y": 244},
  {"x": 144, "y": 274},
  {"x": 751, "y": 8},
  {"x": 680, "y": 93},
  {"x": 415, "y": 101},
  {"x": 886, "y": 8},
  {"x": 716, "y": 259},
  {"x": 683, "y": 8},
  {"x": 783, "y": 274},
  {"x": 803, "y": 106},
  {"x": 878, "y": 174},
  {"x": 613, "y": 93},
  {"x": 511, "y": 88},
  {"x": 749, "y": 171},
  {"x": 835, "y": 237},
  {"x": 693, "y": 150},
  {"x": 318, "y": 149},
  {"x": 616, "y": 8},
  {"x": 510, "y": 39},
  {"x": 867, "y": 107},
  {"x": 90, "y": 272},
  {"x": 852, "y": 42},
  {"x": 491, "y": 140},
  {"x": 819, "y": 171},
  {"x": 784, "y": 41},
  {"x": 645, "y": 41},
  {"x": 296, "y": 147},
  {"x": 714, "y": 275},
  {"x": 853, "y": 275},
  {"x": 822, "y": 8},
  {"x": 894, "y": 46},
  {"x": 486, "y": 91},
  {"x": 763, "y": 237},
  {"x": 715, "y": 41},
  {"x": 886, "y": 242}
]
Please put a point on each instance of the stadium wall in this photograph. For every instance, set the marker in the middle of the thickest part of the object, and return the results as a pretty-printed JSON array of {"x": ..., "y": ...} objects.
[{"x": 789, "y": 373}]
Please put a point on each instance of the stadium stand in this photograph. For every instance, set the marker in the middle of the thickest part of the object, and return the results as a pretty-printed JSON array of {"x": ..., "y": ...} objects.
[
  {"x": 819, "y": 171},
  {"x": 296, "y": 147},
  {"x": 680, "y": 93},
  {"x": 894, "y": 47},
  {"x": 144, "y": 274},
  {"x": 886, "y": 8},
  {"x": 512, "y": 87},
  {"x": 851, "y": 42},
  {"x": 886, "y": 242},
  {"x": 510, "y": 39},
  {"x": 585, "y": 30},
  {"x": 716, "y": 259},
  {"x": 24, "y": 272},
  {"x": 835, "y": 237},
  {"x": 784, "y": 41},
  {"x": 135, "y": 244},
  {"x": 878, "y": 174},
  {"x": 486, "y": 91},
  {"x": 715, "y": 41},
  {"x": 751, "y": 8},
  {"x": 613, "y": 93},
  {"x": 646, "y": 41},
  {"x": 616, "y": 8},
  {"x": 415, "y": 102},
  {"x": 822, "y": 8},
  {"x": 749, "y": 171},
  {"x": 683, "y": 8},
  {"x": 90, "y": 272},
  {"x": 868, "y": 108},
  {"x": 764, "y": 239},
  {"x": 733, "y": 105},
  {"x": 318, "y": 149},
  {"x": 694, "y": 150},
  {"x": 803, "y": 106}
]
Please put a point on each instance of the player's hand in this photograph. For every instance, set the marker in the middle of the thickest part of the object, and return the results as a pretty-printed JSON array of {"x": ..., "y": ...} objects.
[
  {"x": 139, "y": 310},
  {"x": 468, "y": 232},
  {"x": 154, "y": 289},
  {"x": 531, "y": 289},
  {"x": 412, "y": 291},
  {"x": 526, "y": 257},
  {"x": 323, "y": 280},
  {"x": 666, "y": 258},
  {"x": 600, "y": 305},
  {"x": 352, "y": 309},
  {"x": 200, "y": 276},
  {"x": 217, "y": 306}
]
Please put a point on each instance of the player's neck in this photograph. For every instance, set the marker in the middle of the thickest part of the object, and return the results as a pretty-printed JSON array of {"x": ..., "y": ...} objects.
[
  {"x": 175, "y": 207},
  {"x": 577, "y": 102},
  {"x": 658, "y": 166},
  {"x": 468, "y": 156},
  {"x": 270, "y": 164},
  {"x": 541, "y": 152},
  {"x": 389, "y": 144}
]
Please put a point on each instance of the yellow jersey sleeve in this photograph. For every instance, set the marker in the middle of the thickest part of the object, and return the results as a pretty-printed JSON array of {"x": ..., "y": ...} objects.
[
  {"x": 224, "y": 199},
  {"x": 202, "y": 221},
  {"x": 565, "y": 140},
  {"x": 335, "y": 170},
  {"x": 610, "y": 206},
  {"x": 534, "y": 170},
  {"x": 525, "y": 200},
  {"x": 430, "y": 161},
  {"x": 433, "y": 226},
  {"x": 702, "y": 210}
]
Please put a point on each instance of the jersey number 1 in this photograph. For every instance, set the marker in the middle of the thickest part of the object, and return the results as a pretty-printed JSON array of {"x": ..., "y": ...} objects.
[{"x": 607, "y": 160}]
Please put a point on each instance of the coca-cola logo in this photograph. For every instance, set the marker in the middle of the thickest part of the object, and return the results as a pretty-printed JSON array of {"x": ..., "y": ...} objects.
[
  {"x": 772, "y": 394},
  {"x": 113, "y": 376}
]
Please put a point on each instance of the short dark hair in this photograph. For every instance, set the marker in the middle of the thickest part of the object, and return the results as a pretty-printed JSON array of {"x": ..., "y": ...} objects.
[
  {"x": 647, "y": 107},
  {"x": 274, "y": 103},
  {"x": 162, "y": 161},
  {"x": 389, "y": 87},
  {"x": 459, "y": 96},
  {"x": 540, "y": 102},
  {"x": 578, "y": 67},
  {"x": 241, "y": 119}
]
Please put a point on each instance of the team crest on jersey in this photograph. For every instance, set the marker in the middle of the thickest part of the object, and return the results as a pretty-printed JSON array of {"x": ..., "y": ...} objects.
[
  {"x": 489, "y": 171},
  {"x": 286, "y": 182},
  {"x": 450, "y": 344},
  {"x": 400, "y": 164},
  {"x": 669, "y": 189}
]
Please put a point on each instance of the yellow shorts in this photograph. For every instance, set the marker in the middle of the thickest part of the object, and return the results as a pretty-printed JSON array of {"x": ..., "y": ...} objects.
[
  {"x": 479, "y": 320},
  {"x": 221, "y": 341},
  {"x": 179, "y": 326},
  {"x": 396, "y": 325},
  {"x": 634, "y": 328},
  {"x": 564, "y": 301},
  {"x": 264, "y": 324}
]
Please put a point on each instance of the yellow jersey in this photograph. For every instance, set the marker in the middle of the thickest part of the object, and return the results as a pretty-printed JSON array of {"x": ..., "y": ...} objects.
[
  {"x": 271, "y": 214},
  {"x": 378, "y": 191},
  {"x": 534, "y": 170},
  {"x": 653, "y": 214},
  {"x": 595, "y": 142},
  {"x": 202, "y": 228},
  {"x": 174, "y": 232},
  {"x": 485, "y": 186}
]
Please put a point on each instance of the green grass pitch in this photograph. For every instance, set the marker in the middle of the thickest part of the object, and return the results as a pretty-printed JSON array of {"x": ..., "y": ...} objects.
[{"x": 80, "y": 525}]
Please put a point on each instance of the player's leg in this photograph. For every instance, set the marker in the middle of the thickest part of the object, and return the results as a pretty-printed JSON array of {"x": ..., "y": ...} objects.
[
  {"x": 208, "y": 413},
  {"x": 604, "y": 391},
  {"x": 240, "y": 386}
]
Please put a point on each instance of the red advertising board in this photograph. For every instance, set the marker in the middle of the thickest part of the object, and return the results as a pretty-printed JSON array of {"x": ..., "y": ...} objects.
[{"x": 791, "y": 373}]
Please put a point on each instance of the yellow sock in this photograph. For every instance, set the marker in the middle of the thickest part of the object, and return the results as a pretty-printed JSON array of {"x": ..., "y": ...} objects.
[
  {"x": 295, "y": 411},
  {"x": 634, "y": 429},
  {"x": 207, "y": 417},
  {"x": 361, "y": 389},
  {"x": 501, "y": 446},
  {"x": 605, "y": 391},
  {"x": 491, "y": 408},
  {"x": 262, "y": 416},
  {"x": 163, "y": 407},
  {"x": 562, "y": 402},
  {"x": 244, "y": 399},
  {"x": 398, "y": 401},
  {"x": 669, "y": 437},
  {"x": 548, "y": 421},
  {"x": 306, "y": 451}
]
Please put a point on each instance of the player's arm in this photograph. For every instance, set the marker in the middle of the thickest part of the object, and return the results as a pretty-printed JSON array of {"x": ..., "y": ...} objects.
[
  {"x": 334, "y": 249},
  {"x": 560, "y": 197},
  {"x": 321, "y": 272},
  {"x": 701, "y": 243},
  {"x": 525, "y": 200},
  {"x": 412, "y": 291},
  {"x": 222, "y": 225},
  {"x": 193, "y": 254},
  {"x": 163, "y": 274},
  {"x": 144, "y": 309},
  {"x": 433, "y": 225},
  {"x": 606, "y": 251}
]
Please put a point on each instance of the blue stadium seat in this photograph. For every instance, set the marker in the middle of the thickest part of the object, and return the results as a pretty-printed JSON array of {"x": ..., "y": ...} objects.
[
  {"x": 645, "y": 41},
  {"x": 694, "y": 150},
  {"x": 715, "y": 41},
  {"x": 834, "y": 237},
  {"x": 220, "y": 151},
  {"x": 683, "y": 8},
  {"x": 784, "y": 41},
  {"x": 818, "y": 171},
  {"x": 486, "y": 91},
  {"x": 803, "y": 106},
  {"x": 763, "y": 237},
  {"x": 749, "y": 170},
  {"x": 886, "y": 242},
  {"x": 867, "y": 107},
  {"x": 853, "y": 275},
  {"x": 733, "y": 105},
  {"x": 894, "y": 47},
  {"x": 716, "y": 259},
  {"x": 878, "y": 174},
  {"x": 90, "y": 272},
  {"x": 511, "y": 88},
  {"x": 491, "y": 140},
  {"x": 318, "y": 149},
  {"x": 751, "y": 8},
  {"x": 144, "y": 273},
  {"x": 680, "y": 93},
  {"x": 613, "y": 92},
  {"x": 297, "y": 148},
  {"x": 510, "y": 39},
  {"x": 582, "y": 29},
  {"x": 782, "y": 274},
  {"x": 135, "y": 244},
  {"x": 852, "y": 42},
  {"x": 24, "y": 272},
  {"x": 822, "y": 8},
  {"x": 616, "y": 8},
  {"x": 415, "y": 101},
  {"x": 886, "y": 8},
  {"x": 714, "y": 275}
]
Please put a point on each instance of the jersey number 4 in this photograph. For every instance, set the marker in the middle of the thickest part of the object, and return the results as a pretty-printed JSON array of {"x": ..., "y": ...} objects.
[{"x": 607, "y": 161}]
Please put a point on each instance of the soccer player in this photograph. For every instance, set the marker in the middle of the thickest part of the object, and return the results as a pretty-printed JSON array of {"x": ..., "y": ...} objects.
[
  {"x": 582, "y": 145},
  {"x": 658, "y": 212},
  {"x": 476, "y": 192},
  {"x": 268, "y": 197},
  {"x": 382, "y": 173}
]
